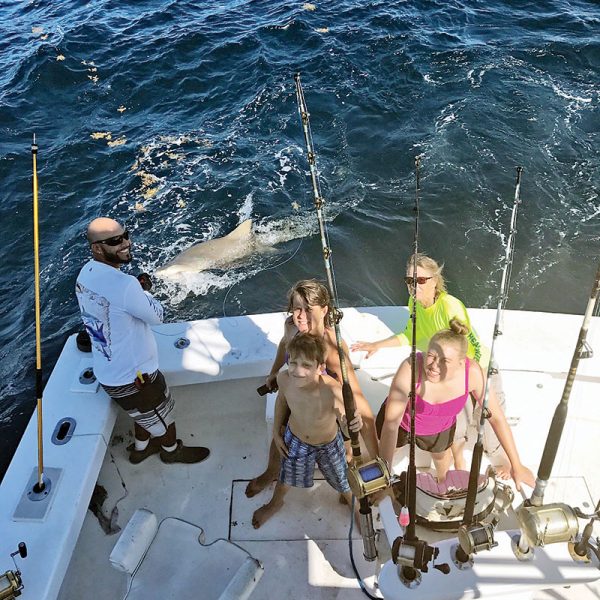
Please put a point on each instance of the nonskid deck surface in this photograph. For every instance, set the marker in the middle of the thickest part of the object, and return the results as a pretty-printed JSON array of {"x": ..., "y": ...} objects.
[{"x": 304, "y": 547}]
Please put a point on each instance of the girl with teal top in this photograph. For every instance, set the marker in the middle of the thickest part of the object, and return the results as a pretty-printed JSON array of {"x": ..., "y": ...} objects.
[{"x": 435, "y": 309}]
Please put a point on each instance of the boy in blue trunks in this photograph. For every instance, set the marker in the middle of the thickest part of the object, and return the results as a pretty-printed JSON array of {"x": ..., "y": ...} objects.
[{"x": 312, "y": 433}]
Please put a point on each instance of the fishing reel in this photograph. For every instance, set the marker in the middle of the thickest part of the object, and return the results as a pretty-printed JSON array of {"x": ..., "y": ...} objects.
[
  {"x": 368, "y": 478},
  {"x": 549, "y": 524},
  {"x": 471, "y": 540},
  {"x": 412, "y": 557},
  {"x": 11, "y": 582}
]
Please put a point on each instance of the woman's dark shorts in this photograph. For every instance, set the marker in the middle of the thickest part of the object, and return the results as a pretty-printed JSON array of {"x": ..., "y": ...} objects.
[{"x": 438, "y": 442}]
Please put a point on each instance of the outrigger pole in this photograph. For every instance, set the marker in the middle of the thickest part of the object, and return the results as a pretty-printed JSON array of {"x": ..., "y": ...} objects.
[
  {"x": 478, "y": 536},
  {"x": 38, "y": 336},
  {"x": 38, "y": 494},
  {"x": 376, "y": 476}
]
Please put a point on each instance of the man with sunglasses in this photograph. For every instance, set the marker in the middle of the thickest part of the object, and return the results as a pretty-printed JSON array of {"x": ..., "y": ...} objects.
[{"x": 117, "y": 314}]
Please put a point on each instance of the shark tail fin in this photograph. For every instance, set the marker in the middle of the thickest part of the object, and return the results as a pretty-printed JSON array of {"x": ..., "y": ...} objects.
[{"x": 242, "y": 231}]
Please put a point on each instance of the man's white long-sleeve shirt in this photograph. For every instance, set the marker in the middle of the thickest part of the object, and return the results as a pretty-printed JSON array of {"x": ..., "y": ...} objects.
[{"x": 117, "y": 314}]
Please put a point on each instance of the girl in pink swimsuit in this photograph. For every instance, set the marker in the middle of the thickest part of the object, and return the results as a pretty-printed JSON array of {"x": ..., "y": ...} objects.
[
  {"x": 434, "y": 423},
  {"x": 446, "y": 377}
]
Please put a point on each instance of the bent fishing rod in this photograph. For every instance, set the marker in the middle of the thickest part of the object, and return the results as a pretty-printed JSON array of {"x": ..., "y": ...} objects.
[
  {"x": 326, "y": 249},
  {"x": 373, "y": 476},
  {"x": 478, "y": 536}
]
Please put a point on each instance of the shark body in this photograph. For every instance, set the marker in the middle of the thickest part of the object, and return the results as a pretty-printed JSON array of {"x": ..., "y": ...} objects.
[{"x": 215, "y": 253}]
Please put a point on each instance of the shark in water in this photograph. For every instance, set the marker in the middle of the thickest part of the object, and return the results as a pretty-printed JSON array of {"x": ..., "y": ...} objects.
[{"x": 215, "y": 253}]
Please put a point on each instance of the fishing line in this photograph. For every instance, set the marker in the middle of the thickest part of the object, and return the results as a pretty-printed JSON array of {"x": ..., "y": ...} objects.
[{"x": 261, "y": 270}]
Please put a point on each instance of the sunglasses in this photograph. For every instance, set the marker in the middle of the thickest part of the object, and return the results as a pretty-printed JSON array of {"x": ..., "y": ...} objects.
[
  {"x": 420, "y": 280},
  {"x": 116, "y": 240}
]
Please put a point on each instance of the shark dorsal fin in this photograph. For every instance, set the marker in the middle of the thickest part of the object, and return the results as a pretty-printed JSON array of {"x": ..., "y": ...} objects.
[{"x": 242, "y": 231}]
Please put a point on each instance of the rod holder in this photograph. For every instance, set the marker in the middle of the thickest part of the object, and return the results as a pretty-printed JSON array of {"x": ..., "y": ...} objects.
[{"x": 368, "y": 536}]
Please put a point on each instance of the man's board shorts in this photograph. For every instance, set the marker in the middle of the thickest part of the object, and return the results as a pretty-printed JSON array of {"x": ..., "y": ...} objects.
[
  {"x": 151, "y": 406},
  {"x": 298, "y": 468},
  {"x": 438, "y": 442}
]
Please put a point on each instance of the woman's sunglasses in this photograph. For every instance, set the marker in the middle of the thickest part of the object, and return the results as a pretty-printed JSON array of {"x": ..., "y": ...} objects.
[
  {"x": 116, "y": 240},
  {"x": 420, "y": 280}
]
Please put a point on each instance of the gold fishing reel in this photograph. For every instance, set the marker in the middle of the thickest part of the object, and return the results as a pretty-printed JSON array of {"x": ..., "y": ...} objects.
[
  {"x": 368, "y": 478},
  {"x": 548, "y": 524},
  {"x": 11, "y": 583}
]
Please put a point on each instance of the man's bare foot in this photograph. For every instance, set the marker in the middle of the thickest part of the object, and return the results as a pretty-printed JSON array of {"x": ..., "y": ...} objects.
[
  {"x": 258, "y": 484},
  {"x": 264, "y": 513}
]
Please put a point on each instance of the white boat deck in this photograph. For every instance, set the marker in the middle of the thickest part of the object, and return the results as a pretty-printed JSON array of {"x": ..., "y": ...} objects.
[{"x": 304, "y": 548}]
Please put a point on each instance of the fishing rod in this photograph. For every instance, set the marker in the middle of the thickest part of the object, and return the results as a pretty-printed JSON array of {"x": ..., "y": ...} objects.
[
  {"x": 560, "y": 414},
  {"x": 38, "y": 336},
  {"x": 411, "y": 476},
  {"x": 408, "y": 551},
  {"x": 480, "y": 536},
  {"x": 557, "y": 522},
  {"x": 364, "y": 478}
]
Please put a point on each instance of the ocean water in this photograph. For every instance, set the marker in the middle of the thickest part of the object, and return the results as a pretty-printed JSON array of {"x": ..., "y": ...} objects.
[{"x": 179, "y": 119}]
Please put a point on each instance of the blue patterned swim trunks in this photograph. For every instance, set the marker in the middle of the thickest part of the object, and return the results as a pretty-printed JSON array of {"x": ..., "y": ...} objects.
[{"x": 298, "y": 468}]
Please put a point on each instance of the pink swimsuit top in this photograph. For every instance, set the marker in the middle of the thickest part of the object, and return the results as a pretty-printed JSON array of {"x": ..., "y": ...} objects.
[{"x": 431, "y": 419}]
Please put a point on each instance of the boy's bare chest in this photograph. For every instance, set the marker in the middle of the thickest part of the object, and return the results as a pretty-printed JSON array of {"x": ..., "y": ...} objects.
[{"x": 310, "y": 406}]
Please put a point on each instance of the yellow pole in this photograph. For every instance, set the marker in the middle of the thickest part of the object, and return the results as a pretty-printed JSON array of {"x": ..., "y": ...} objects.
[{"x": 38, "y": 336}]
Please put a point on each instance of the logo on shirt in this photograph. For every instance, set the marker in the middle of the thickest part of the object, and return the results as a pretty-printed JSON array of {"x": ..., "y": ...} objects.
[{"x": 95, "y": 317}]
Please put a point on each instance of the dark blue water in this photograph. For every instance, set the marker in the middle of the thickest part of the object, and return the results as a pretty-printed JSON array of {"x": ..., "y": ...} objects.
[{"x": 199, "y": 102}]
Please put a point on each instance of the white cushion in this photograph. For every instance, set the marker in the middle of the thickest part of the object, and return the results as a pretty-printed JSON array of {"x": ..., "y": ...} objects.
[
  {"x": 244, "y": 581},
  {"x": 178, "y": 566},
  {"x": 134, "y": 541}
]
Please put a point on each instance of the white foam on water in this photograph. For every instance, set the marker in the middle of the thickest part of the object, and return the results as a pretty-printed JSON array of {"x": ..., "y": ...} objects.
[
  {"x": 475, "y": 75},
  {"x": 560, "y": 92},
  {"x": 245, "y": 211}
]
